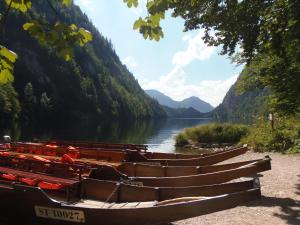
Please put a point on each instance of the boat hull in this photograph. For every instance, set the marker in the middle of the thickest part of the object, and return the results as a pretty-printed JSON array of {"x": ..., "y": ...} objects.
[
  {"x": 205, "y": 179},
  {"x": 202, "y": 161},
  {"x": 34, "y": 207},
  {"x": 144, "y": 170}
]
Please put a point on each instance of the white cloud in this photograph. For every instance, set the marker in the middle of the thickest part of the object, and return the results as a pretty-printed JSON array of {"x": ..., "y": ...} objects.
[
  {"x": 173, "y": 79},
  {"x": 196, "y": 49},
  {"x": 174, "y": 85},
  {"x": 130, "y": 62}
]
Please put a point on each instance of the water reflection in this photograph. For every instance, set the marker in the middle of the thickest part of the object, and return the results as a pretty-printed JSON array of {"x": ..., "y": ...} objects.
[
  {"x": 158, "y": 134},
  {"x": 164, "y": 140}
]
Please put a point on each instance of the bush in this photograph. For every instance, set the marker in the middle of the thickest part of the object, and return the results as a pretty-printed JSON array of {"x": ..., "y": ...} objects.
[
  {"x": 284, "y": 138},
  {"x": 181, "y": 140},
  {"x": 213, "y": 133}
]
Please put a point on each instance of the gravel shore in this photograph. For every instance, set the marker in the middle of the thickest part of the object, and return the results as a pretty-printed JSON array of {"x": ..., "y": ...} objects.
[{"x": 280, "y": 203}]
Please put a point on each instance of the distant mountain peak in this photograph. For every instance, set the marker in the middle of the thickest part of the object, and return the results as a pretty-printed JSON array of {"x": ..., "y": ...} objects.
[
  {"x": 193, "y": 98},
  {"x": 191, "y": 102}
]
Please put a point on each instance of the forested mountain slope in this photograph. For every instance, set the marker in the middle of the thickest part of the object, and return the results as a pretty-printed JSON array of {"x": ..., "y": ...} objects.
[
  {"x": 243, "y": 108},
  {"x": 95, "y": 85},
  {"x": 184, "y": 112}
]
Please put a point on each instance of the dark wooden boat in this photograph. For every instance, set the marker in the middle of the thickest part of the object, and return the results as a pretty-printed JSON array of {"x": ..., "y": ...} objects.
[
  {"x": 56, "y": 173},
  {"x": 110, "y": 173},
  {"x": 104, "y": 172},
  {"x": 120, "y": 146},
  {"x": 102, "y": 145},
  {"x": 202, "y": 161},
  {"x": 108, "y": 203},
  {"x": 126, "y": 156},
  {"x": 145, "y": 170},
  {"x": 124, "y": 169},
  {"x": 90, "y": 147}
]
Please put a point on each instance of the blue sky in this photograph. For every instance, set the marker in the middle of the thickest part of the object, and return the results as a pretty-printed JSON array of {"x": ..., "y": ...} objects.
[{"x": 180, "y": 65}]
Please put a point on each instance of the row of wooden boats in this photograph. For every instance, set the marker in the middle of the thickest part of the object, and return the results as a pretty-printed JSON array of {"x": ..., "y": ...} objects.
[
  {"x": 128, "y": 155},
  {"x": 187, "y": 177},
  {"x": 72, "y": 183}
]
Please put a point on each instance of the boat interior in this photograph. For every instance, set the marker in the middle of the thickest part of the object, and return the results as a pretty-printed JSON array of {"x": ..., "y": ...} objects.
[
  {"x": 124, "y": 172},
  {"x": 92, "y": 193}
]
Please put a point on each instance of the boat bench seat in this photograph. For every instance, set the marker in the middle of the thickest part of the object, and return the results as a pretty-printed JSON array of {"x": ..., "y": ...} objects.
[
  {"x": 42, "y": 177},
  {"x": 107, "y": 205}
]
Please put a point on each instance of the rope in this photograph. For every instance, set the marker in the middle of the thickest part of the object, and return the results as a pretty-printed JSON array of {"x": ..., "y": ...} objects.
[{"x": 112, "y": 194}]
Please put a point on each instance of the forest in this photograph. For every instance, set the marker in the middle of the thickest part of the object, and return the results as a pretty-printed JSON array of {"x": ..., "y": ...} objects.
[{"x": 47, "y": 89}]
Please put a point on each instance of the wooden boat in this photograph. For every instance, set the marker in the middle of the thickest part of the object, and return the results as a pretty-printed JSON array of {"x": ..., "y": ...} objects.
[
  {"x": 4, "y": 146},
  {"x": 75, "y": 171},
  {"x": 145, "y": 170},
  {"x": 108, "y": 203},
  {"x": 126, "y": 156},
  {"x": 126, "y": 169},
  {"x": 62, "y": 143},
  {"x": 28, "y": 168},
  {"x": 142, "y": 148},
  {"x": 109, "y": 173},
  {"x": 91, "y": 146},
  {"x": 202, "y": 161}
]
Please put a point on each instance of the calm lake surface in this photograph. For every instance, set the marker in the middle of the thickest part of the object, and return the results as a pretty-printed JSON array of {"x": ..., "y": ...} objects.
[{"x": 158, "y": 134}]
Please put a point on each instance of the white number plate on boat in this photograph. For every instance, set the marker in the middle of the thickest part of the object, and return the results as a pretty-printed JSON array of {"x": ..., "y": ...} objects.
[{"x": 60, "y": 214}]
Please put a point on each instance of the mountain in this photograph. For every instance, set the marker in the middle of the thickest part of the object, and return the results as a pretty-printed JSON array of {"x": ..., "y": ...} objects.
[
  {"x": 183, "y": 112},
  {"x": 193, "y": 102},
  {"x": 197, "y": 104},
  {"x": 242, "y": 108},
  {"x": 94, "y": 86},
  {"x": 162, "y": 99}
]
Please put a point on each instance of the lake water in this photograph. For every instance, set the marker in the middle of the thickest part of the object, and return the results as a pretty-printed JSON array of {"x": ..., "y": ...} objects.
[
  {"x": 164, "y": 139},
  {"x": 158, "y": 134}
]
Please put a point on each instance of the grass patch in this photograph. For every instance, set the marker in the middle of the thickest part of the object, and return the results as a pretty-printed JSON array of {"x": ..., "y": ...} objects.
[
  {"x": 214, "y": 133},
  {"x": 285, "y": 138}
]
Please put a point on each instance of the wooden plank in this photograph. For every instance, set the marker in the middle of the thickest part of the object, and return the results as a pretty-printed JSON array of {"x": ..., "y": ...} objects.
[
  {"x": 41, "y": 177},
  {"x": 131, "y": 205},
  {"x": 146, "y": 204}
]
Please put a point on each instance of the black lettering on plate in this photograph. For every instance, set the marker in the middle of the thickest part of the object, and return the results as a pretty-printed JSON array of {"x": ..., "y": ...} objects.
[{"x": 60, "y": 214}]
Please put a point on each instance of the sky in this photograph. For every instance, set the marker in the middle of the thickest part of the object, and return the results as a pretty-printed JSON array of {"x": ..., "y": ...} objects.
[{"x": 180, "y": 65}]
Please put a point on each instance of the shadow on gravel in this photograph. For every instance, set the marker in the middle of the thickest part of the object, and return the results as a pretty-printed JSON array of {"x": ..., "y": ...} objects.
[
  {"x": 298, "y": 186},
  {"x": 290, "y": 208}
]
